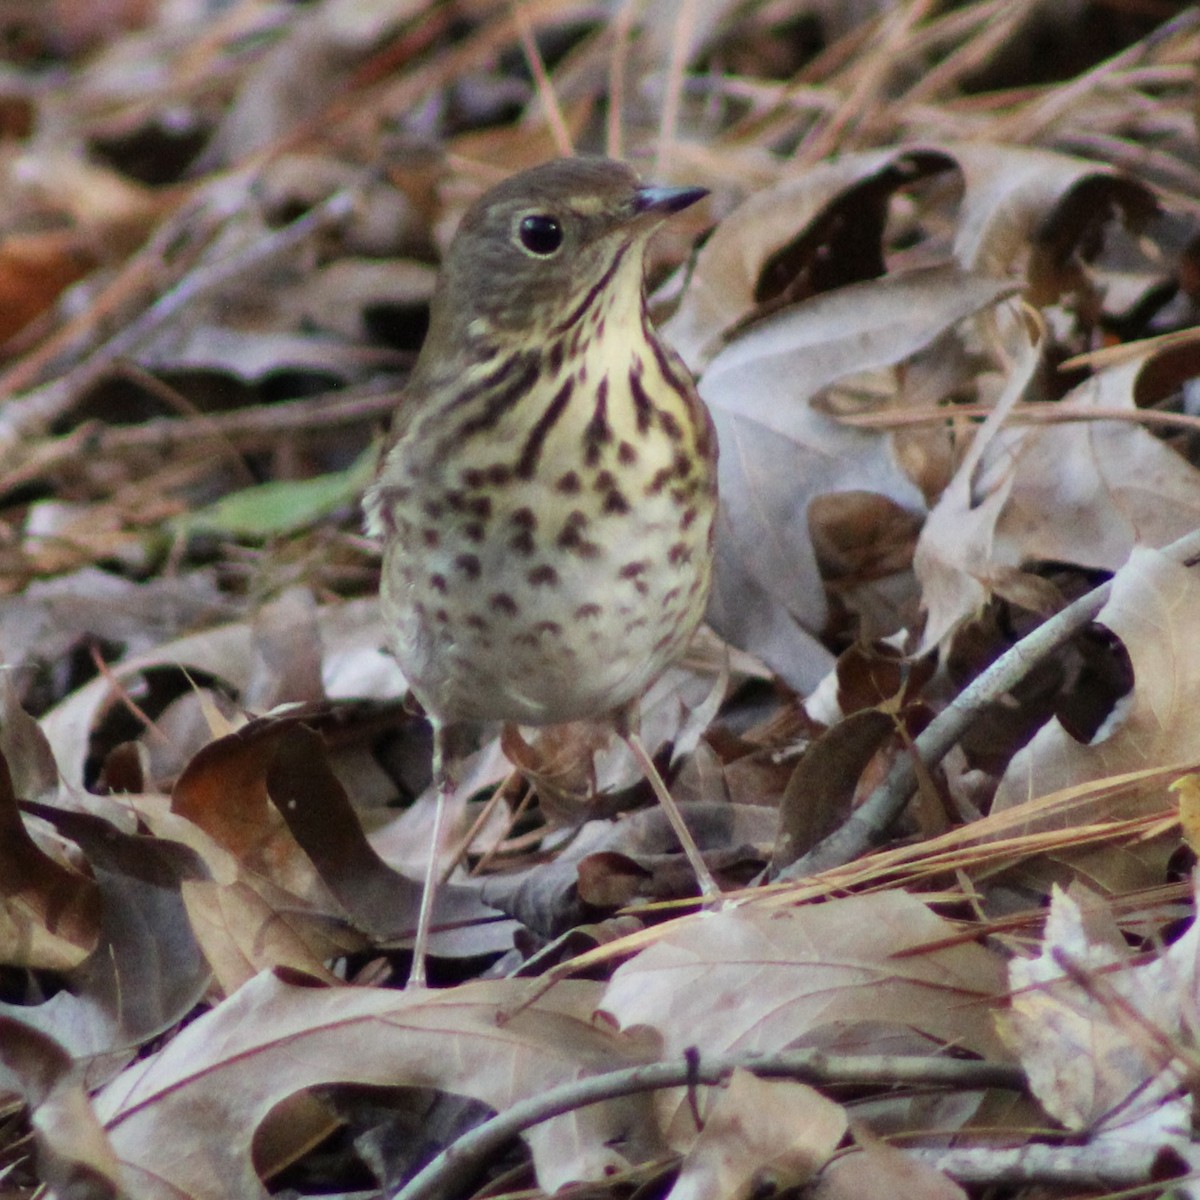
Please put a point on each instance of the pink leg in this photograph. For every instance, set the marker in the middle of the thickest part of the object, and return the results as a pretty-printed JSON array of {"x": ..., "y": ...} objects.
[
  {"x": 708, "y": 885},
  {"x": 445, "y": 787}
]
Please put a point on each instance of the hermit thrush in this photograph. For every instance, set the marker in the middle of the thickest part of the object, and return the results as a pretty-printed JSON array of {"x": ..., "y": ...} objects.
[{"x": 547, "y": 493}]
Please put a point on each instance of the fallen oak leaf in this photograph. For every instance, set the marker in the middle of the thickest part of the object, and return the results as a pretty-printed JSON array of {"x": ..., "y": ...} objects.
[
  {"x": 74, "y": 1155},
  {"x": 182, "y": 1122},
  {"x": 223, "y": 791},
  {"x": 48, "y": 914},
  {"x": 879, "y": 1171},
  {"x": 354, "y": 665},
  {"x": 816, "y": 229},
  {"x": 381, "y": 901},
  {"x": 1153, "y": 606},
  {"x": 753, "y": 979},
  {"x": 147, "y": 972},
  {"x": 1104, "y": 1038},
  {"x": 1110, "y": 485},
  {"x": 1039, "y": 208},
  {"x": 827, "y": 975},
  {"x": 243, "y": 921},
  {"x": 759, "y": 1135},
  {"x": 780, "y": 452}
]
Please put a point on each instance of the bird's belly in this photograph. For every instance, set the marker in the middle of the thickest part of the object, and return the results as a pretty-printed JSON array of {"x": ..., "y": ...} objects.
[{"x": 567, "y": 618}]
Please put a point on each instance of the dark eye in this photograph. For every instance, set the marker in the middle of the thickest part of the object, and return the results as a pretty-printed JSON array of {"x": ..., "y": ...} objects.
[{"x": 540, "y": 234}]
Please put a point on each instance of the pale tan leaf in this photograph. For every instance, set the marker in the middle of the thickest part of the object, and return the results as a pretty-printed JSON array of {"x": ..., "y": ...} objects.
[
  {"x": 746, "y": 979},
  {"x": 74, "y": 1155},
  {"x": 1099, "y": 1047},
  {"x": 759, "y": 1136},
  {"x": 48, "y": 910},
  {"x": 1083, "y": 492},
  {"x": 354, "y": 663},
  {"x": 1106, "y": 486},
  {"x": 779, "y": 452},
  {"x": 182, "y": 1121},
  {"x": 244, "y": 922},
  {"x": 1032, "y": 207},
  {"x": 878, "y": 1171},
  {"x": 1154, "y": 608},
  {"x": 147, "y": 972},
  {"x": 956, "y": 560},
  {"x": 725, "y": 284}
]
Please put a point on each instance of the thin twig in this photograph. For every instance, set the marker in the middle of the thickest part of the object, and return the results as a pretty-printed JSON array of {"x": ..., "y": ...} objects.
[
  {"x": 621, "y": 29},
  {"x": 1033, "y": 122},
  {"x": 874, "y": 817},
  {"x": 979, "y": 31},
  {"x": 874, "y": 69},
  {"x": 1101, "y": 1163},
  {"x": 244, "y": 428},
  {"x": 1060, "y": 413},
  {"x": 123, "y": 694},
  {"x": 545, "y": 90},
  {"x": 457, "y": 1164},
  {"x": 28, "y": 414},
  {"x": 494, "y": 799},
  {"x": 681, "y": 40}
]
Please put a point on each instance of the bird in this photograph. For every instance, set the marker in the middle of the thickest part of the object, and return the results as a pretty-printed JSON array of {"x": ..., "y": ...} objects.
[{"x": 547, "y": 492}]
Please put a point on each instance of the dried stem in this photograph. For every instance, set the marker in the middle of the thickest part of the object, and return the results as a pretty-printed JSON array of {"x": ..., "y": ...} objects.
[
  {"x": 457, "y": 1164},
  {"x": 871, "y": 821}
]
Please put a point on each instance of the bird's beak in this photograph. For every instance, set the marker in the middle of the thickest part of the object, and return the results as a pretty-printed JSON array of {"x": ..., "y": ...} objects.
[{"x": 663, "y": 201}]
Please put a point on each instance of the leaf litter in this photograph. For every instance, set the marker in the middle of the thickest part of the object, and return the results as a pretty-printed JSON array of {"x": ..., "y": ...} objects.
[{"x": 942, "y": 303}]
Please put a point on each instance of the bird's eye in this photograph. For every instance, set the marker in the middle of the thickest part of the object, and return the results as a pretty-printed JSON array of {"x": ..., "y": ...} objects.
[{"x": 540, "y": 234}]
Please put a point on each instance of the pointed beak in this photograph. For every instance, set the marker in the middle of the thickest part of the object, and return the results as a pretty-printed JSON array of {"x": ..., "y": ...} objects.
[{"x": 664, "y": 201}]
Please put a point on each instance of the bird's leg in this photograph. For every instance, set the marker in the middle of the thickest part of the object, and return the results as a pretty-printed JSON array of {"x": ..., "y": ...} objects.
[
  {"x": 444, "y": 784},
  {"x": 629, "y": 734}
]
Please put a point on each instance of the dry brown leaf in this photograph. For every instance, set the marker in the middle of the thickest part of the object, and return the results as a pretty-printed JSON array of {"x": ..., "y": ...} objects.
[
  {"x": 48, "y": 911},
  {"x": 147, "y": 972},
  {"x": 1106, "y": 486},
  {"x": 1154, "y": 608},
  {"x": 955, "y": 559},
  {"x": 747, "y": 979},
  {"x": 243, "y": 922},
  {"x": 49, "y": 616},
  {"x": 607, "y": 864},
  {"x": 821, "y": 790},
  {"x": 25, "y": 749},
  {"x": 864, "y": 974},
  {"x": 289, "y": 654},
  {"x": 182, "y": 1121},
  {"x": 318, "y": 813},
  {"x": 1033, "y": 209},
  {"x": 34, "y": 270},
  {"x": 1099, "y": 1036},
  {"x": 74, "y": 1156},
  {"x": 779, "y": 452},
  {"x": 354, "y": 664},
  {"x": 223, "y": 791},
  {"x": 828, "y": 219},
  {"x": 760, "y": 1136},
  {"x": 877, "y": 1171},
  {"x": 1084, "y": 492},
  {"x": 299, "y": 865}
]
